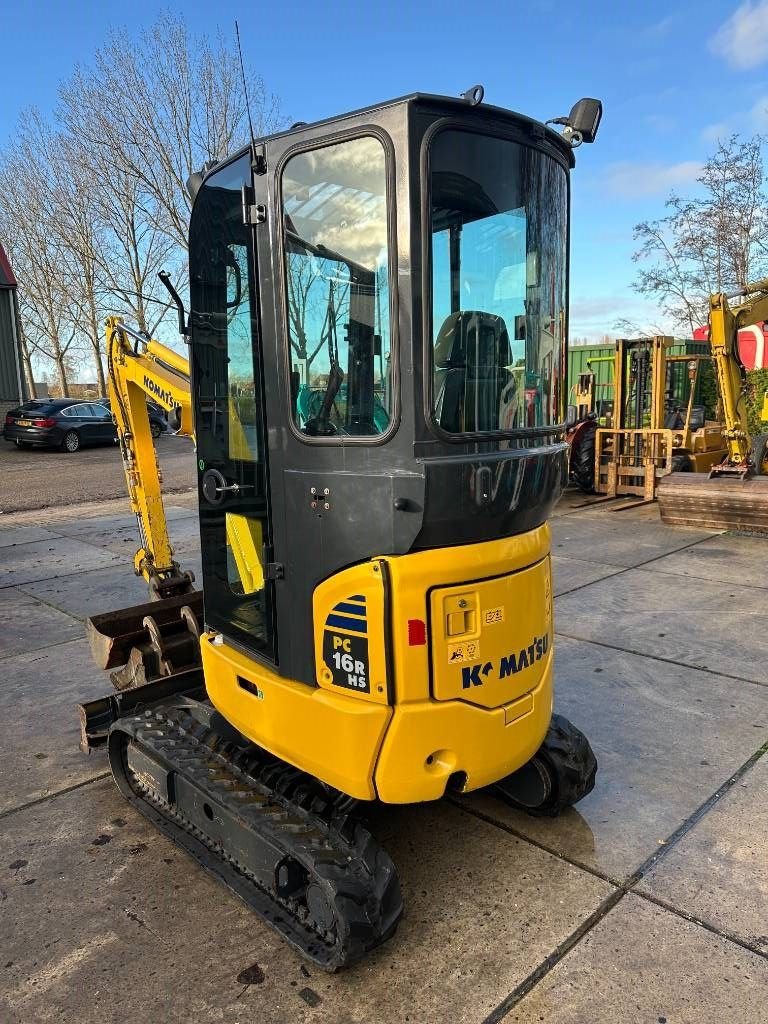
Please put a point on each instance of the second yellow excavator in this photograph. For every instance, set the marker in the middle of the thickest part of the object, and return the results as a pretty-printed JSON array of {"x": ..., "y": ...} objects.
[{"x": 734, "y": 494}]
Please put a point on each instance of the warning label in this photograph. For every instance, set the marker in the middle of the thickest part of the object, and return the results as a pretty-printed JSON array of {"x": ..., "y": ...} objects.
[
  {"x": 491, "y": 615},
  {"x": 468, "y": 651}
]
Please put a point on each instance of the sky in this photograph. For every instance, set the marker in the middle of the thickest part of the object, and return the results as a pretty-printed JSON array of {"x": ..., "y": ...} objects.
[{"x": 673, "y": 79}]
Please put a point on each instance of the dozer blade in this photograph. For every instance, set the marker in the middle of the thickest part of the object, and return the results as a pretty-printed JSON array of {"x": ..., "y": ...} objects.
[
  {"x": 151, "y": 640},
  {"x": 717, "y": 503}
]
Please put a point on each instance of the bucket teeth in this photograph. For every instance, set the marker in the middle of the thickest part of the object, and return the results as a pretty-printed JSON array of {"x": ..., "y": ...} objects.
[{"x": 717, "y": 503}]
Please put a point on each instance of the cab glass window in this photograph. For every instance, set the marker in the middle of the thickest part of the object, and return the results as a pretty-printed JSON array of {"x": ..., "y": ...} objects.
[
  {"x": 337, "y": 289},
  {"x": 498, "y": 236}
]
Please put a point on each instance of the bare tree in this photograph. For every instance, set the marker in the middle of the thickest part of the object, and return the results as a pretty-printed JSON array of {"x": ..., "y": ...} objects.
[
  {"x": 158, "y": 107},
  {"x": 35, "y": 251},
  {"x": 97, "y": 205},
  {"x": 713, "y": 242}
]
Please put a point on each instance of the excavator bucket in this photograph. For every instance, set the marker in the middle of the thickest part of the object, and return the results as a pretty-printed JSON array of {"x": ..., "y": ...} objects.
[
  {"x": 150, "y": 640},
  {"x": 717, "y": 503}
]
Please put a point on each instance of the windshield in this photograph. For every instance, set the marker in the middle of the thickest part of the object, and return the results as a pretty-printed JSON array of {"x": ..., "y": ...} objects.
[{"x": 499, "y": 214}]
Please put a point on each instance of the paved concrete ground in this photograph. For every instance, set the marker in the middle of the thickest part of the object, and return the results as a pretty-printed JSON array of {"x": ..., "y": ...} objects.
[
  {"x": 32, "y": 478},
  {"x": 648, "y": 903}
]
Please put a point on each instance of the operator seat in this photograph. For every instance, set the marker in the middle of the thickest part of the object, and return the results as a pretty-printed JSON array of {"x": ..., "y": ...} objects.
[{"x": 475, "y": 389}]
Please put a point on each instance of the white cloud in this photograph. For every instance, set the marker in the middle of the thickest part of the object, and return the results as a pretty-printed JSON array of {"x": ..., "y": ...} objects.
[
  {"x": 758, "y": 115},
  {"x": 660, "y": 29},
  {"x": 753, "y": 120},
  {"x": 742, "y": 40},
  {"x": 632, "y": 180},
  {"x": 660, "y": 123},
  {"x": 719, "y": 130},
  {"x": 595, "y": 315}
]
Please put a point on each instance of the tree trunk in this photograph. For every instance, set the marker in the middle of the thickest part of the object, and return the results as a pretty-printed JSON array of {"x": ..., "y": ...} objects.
[
  {"x": 26, "y": 361},
  {"x": 62, "y": 373},
  {"x": 102, "y": 381},
  {"x": 96, "y": 343}
]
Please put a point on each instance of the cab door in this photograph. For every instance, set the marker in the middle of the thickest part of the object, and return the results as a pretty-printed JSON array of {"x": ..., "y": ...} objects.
[{"x": 228, "y": 390}]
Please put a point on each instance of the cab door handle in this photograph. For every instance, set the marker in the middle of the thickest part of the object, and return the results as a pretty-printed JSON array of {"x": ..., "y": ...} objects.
[{"x": 215, "y": 487}]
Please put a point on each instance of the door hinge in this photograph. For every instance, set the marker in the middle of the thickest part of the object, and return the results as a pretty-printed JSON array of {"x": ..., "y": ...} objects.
[
  {"x": 274, "y": 571},
  {"x": 253, "y": 213}
]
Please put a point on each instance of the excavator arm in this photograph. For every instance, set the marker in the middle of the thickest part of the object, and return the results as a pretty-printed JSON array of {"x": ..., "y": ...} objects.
[
  {"x": 158, "y": 639},
  {"x": 141, "y": 368}
]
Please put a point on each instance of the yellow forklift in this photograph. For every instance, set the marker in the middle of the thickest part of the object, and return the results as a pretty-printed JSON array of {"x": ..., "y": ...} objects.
[
  {"x": 370, "y": 298},
  {"x": 660, "y": 416},
  {"x": 653, "y": 430}
]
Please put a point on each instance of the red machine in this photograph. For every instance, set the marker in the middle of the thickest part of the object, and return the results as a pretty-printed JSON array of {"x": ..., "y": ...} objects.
[{"x": 753, "y": 344}]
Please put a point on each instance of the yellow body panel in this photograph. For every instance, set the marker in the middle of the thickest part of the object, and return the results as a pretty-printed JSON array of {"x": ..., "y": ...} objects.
[
  {"x": 413, "y": 577},
  {"x": 426, "y": 743},
  {"x": 401, "y": 735},
  {"x": 485, "y": 639},
  {"x": 329, "y": 735}
]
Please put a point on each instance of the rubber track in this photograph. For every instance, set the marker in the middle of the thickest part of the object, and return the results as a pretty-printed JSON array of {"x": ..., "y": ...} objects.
[{"x": 288, "y": 814}]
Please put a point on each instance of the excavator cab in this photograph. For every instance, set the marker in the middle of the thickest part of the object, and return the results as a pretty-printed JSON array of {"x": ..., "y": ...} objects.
[
  {"x": 393, "y": 275},
  {"x": 377, "y": 348}
]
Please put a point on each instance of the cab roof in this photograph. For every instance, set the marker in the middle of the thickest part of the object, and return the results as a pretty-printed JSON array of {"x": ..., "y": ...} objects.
[{"x": 448, "y": 104}]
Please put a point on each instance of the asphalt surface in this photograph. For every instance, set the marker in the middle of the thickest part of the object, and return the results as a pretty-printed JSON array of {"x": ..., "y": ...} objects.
[{"x": 32, "y": 478}]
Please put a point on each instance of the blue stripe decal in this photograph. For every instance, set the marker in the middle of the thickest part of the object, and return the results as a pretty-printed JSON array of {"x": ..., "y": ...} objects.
[
  {"x": 351, "y": 609},
  {"x": 353, "y": 625},
  {"x": 357, "y": 597}
]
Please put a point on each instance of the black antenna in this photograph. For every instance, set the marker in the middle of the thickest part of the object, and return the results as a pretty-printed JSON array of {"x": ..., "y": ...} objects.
[{"x": 245, "y": 86}]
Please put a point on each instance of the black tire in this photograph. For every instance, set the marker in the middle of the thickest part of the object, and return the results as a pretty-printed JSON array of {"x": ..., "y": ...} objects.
[
  {"x": 582, "y": 462},
  {"x": 682, "y": 464},
  {"x": 155, "y": 429},
  {"x": 760, "y": 454},
  {"x": 70, "y": 443},
  {"x": 560, "y": 773}
]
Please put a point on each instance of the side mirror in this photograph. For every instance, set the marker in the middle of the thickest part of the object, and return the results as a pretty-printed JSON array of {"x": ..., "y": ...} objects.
[{"x": 584, "y": 118}]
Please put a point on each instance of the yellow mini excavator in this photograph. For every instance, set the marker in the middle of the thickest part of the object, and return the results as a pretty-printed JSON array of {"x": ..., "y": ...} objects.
[
  {"x": 376, "y": 386},
  {"x": 734, "y": 494}
]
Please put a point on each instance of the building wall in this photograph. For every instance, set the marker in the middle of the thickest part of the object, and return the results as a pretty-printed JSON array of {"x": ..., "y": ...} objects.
[{"x": 11, "y": 384}]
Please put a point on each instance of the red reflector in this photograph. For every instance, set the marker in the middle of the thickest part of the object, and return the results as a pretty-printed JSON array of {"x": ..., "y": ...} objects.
[
  {"x": 417, "y": 633},
  {"x": 9, "y": 420}
]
